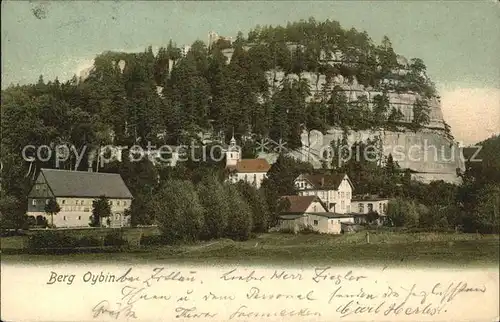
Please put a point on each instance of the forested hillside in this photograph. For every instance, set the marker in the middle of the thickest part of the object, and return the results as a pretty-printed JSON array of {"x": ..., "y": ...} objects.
[{"x": 166, "y": 98}]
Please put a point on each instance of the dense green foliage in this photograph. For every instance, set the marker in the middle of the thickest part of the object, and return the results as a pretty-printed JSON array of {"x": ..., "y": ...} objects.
[
  {"x": 52, "y": 208},
  {"x": 472, "y": 206},
  {"x": 101, "y": 208},
  {"x": 165, "y": 98}
]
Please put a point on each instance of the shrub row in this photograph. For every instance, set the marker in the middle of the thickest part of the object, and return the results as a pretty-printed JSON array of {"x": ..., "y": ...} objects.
[
  {"x": 153, "y": 240},
  {"x": 56, "y": 239}
]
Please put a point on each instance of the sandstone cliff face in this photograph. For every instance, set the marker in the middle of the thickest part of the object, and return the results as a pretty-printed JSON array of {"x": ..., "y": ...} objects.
[{"x": 430, "y": 152}]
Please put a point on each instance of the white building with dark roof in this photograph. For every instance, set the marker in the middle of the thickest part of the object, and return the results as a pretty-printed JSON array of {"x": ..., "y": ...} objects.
[
  {"x": 252, "y": 171},
  {"x": 309, "y": 212},
  {"x": 334, "y": 190},
  {"x": 75, "y": 192}
]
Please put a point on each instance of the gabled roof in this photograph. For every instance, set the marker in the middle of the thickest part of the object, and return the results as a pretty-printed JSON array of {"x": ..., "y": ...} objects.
[
  {"x": 330, "y": 214},
  {"x": 368, "y": 198},
  {"x": 64, "y": 183},
  {"x": 299, "y": 204},
  {"x": 251, "y": 165},
  {"x": 326, "y": 181},
  {"x": 290, "y": 216}
]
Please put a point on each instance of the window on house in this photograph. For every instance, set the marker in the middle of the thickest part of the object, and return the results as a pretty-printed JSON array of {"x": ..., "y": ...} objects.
[
  {"x": 343, "y": 195},
  {"x": 361, "y": 208},
  {"x": 118, "y": 203},
  {"x": 79, "y": 217},
  {"x": 111, "y": 202},
  {"x": 37, "y": 187},
  {"x": 343, "y": 204},
  {"x": 33, "y": 202},
  {"x": 64, "y": 218},
  {"x": 254, "y": 178},
  {"x": 370, "y": 207},
  {"x": 315, "y": 223},
  {"x": 63, "y": 201}
]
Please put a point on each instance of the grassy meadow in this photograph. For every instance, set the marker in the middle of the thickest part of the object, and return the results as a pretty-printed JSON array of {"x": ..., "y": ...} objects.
[{"x": 394, "y": 248}]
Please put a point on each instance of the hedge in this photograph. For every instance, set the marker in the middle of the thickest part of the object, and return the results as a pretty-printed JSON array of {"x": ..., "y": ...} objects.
[{"x": 58, "y": 240}]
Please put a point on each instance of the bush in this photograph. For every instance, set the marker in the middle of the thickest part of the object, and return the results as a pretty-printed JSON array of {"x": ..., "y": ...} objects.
[
  {"x": 41, "y": 221},
  {"x": 307, "y": 230},
  {"x": 180, "y": 214},
  {"x": 114, "y": 239},
  {"x": 87, "y": 241},
  {"x": 52, "y": 239},
  {"x": 153, "y": 240}
]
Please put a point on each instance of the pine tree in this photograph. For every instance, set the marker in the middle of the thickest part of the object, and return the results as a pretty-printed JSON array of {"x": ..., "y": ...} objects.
[{"x": 239, "y": 225}]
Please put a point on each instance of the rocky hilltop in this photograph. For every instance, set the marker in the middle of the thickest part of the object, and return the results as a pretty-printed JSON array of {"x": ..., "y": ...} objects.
[
  {"x": 430, "y": 151},
  {"x": 356, "y": 90}
]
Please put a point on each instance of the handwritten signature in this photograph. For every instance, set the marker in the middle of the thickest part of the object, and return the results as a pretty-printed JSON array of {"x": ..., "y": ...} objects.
[{"x": 103, "y": 308}]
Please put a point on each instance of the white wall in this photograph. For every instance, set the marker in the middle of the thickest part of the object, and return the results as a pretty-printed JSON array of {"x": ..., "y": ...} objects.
[
  {"x": 253, "y": 178},
  {"x": 341, "y": 197},
  {"x": 378, "y": 206},
  {"x": 344, "y": 195},
  {"x": 324, "y": 225},
  {"x": 75, "y": 212}
]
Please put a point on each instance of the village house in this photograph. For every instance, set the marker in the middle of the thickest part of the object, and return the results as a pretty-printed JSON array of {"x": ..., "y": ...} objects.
[
  {"x": 365, "y": 204},
  {"x": 309, "y": 212},
  {"x": 75, "y": 191},
  {"x": 253, "y": 171},
  {"x": 334, "y": 190}
]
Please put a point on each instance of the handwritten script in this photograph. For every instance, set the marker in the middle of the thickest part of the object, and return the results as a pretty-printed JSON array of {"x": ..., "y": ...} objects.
[{"x": 226, "y": 294}]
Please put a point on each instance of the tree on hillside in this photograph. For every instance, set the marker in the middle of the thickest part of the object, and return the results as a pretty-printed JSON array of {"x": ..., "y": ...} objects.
[
  {"x": 181, "y": 216},
  {"x": 284, "y": 172},
  {"x": 216, "y": 207},
  {"x": 101, "y": 208},
  {"x": 52, "y": 208},
  {"x": 403, "y": 213},
  {"x": 486, "y": 217},
  {"x": 239, "y": 222},
  {"x": 255, "y": 199},
  {"x": 10, "y": 216},
  {"x": 421, "y": 113}
]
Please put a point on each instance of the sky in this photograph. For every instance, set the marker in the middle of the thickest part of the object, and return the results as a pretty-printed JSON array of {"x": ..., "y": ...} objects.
[{"x": 458, "y": 41}]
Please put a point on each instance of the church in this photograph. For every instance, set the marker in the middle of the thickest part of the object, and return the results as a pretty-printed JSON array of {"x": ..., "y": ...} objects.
[{"x": 252, "y": 171}]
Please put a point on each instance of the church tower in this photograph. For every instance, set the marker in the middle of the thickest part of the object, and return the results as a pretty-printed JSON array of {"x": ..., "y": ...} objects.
[{"x": 233, "y": 153}]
